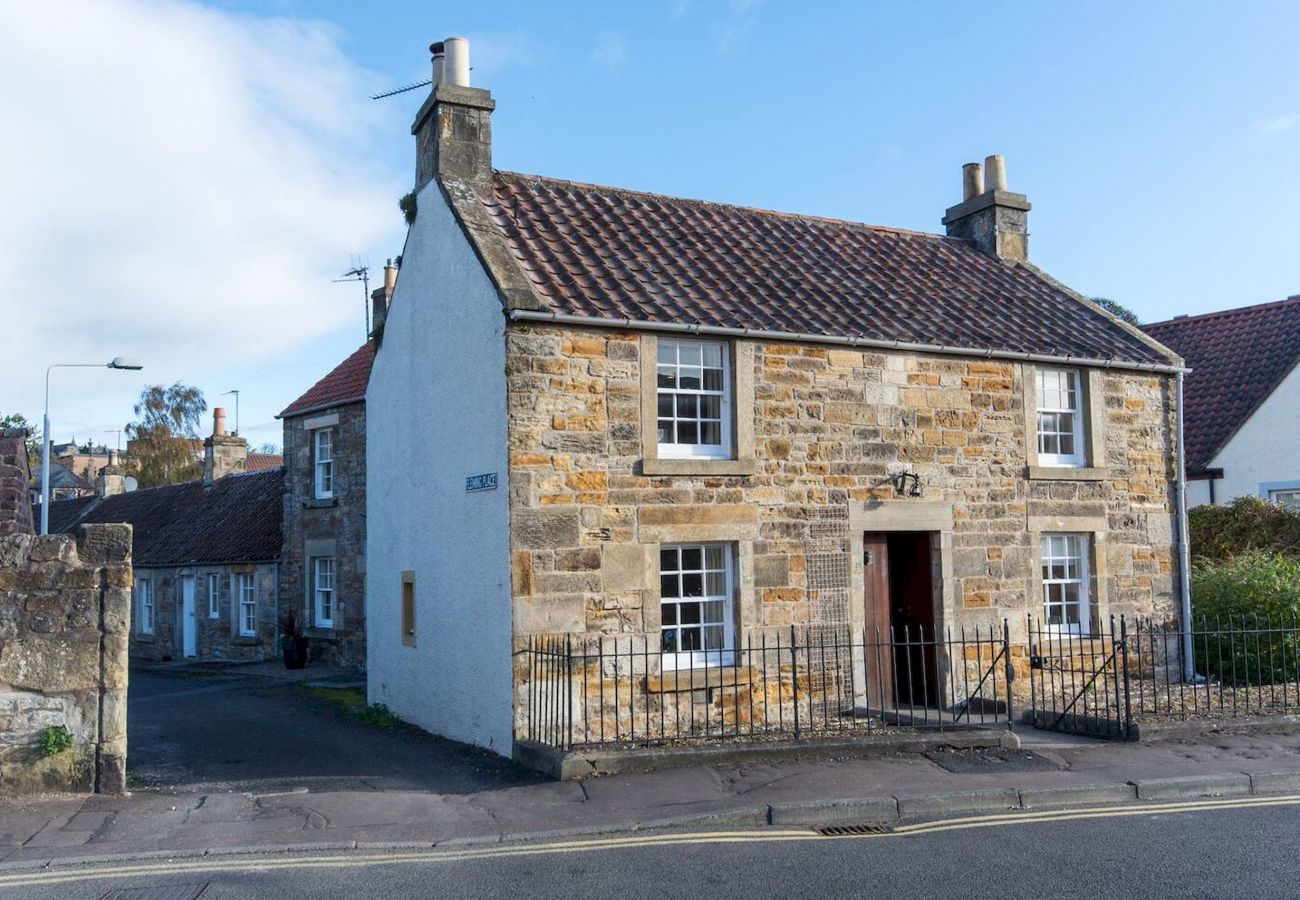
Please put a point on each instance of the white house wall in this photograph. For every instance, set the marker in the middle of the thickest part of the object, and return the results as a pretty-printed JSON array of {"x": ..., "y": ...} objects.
[
  {"x": 1264, "y": 452},
  {"x": 436, "y": 414}
]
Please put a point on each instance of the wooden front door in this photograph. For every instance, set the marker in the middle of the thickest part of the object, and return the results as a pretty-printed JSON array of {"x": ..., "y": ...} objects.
[{"x": 878, "y": 619}]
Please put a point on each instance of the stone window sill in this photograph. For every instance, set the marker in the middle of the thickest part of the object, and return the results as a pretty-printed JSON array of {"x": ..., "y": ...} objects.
[
  {"x": 316, "y": 633},
  {"x": 1067, "y": 473},
  {"x": 246, "y": 642},
  {"x": 715, "y": 467},
  {"x": 699, "y": 679},
  {"x": 321, "y": 504},
  {"x": 146, "y": 639}
]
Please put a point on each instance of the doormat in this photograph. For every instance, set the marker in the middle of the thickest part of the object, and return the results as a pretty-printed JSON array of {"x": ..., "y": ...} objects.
[{"x": 999, "y": 760}]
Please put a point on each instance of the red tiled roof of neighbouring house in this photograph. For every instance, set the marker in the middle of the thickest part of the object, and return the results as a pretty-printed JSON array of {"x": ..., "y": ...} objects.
[
  {"x": 1238, "y": 357},
  {"x": 260, "y": 462},
  {"x": 606, "y": 253},
  {"x": 235, "y": 519},
  {"x": 345, "y": 384}
]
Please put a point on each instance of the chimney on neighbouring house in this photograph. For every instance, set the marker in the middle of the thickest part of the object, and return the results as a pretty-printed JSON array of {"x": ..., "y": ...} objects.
[
  {"x": 989, "y": 216},
  {"x": 223, "y": 454},
  {"x": 381, "y": 297},
  {"x": 111, "y": 479},
  {"x": 453, "y": 129}
]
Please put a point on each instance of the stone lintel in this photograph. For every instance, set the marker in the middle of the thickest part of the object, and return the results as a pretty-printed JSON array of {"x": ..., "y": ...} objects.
[{"x": 901, "y": 515}]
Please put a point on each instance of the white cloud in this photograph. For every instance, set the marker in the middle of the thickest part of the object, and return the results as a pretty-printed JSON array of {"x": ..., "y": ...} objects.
[
  {"x": 610, "y": 51},
  {"x": 736, "y": 23},
  {"x": 1278, "y": 125},
  {"x": 178, "y": 184}
]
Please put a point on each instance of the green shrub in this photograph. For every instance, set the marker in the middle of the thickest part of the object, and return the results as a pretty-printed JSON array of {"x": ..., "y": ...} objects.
[
  {"x": 407, "y": 205},
  {"x": 1246, "y": 610},
  {"x": 1249, "y": 523},
  {"x": 55, "y": 739}
]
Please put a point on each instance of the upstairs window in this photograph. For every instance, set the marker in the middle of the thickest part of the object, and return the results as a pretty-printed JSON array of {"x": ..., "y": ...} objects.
[
  {"x": 1065, "y": 582},
  {"x": 694, "y": 400},
  {"x": 1060, "y": 418},
  {"x": 323, "y": 591},
  {"x": 323, "y": 454}
]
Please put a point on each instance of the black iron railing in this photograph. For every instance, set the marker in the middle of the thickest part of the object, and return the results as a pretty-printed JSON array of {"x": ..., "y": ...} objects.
[{"x": 579, "y": 690}]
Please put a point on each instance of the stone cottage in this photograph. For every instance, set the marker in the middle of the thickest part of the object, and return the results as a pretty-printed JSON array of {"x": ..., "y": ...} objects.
[
  {"x": 206, "y": 554},
  {"x": 598, "y": 412}
]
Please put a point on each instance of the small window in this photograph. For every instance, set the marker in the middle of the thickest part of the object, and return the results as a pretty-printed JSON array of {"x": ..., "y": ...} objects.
[
  {"x": 145, "y": 605},
  {"x": 323, "y": 454},
  {"x": 214, "y": 596},
  {"x": 1288, "y": 497},
  {"x": 1060, "y": 418},
  {"x": 246, "y": 591},
  {"x": 323, "y": 591},
  {"x": 694, "y": 399},
  {"x": 408, "y": 609},
  {"x": 1065, "y": 582},
  {"x": 695, "y": 604}
]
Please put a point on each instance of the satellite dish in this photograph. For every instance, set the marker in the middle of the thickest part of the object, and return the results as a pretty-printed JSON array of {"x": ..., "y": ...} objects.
[{"x": 129, "y": 483}]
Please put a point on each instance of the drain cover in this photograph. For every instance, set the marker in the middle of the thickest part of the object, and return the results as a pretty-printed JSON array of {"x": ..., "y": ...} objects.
[
  {"x": 849, "y": 830},
  {"x": 158, "y": 892}
]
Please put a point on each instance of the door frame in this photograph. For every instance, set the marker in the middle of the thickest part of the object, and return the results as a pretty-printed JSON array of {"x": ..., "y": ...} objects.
[{"x": 189, "y": 618}]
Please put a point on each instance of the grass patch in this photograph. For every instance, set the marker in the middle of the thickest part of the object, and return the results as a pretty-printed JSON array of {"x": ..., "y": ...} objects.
[{"x": 353, "y": 702}]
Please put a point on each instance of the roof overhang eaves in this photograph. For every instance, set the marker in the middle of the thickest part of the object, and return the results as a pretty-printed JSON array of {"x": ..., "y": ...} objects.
[
  {"x": 526, "y": 315},
  {"x": 290, "y": 412}
]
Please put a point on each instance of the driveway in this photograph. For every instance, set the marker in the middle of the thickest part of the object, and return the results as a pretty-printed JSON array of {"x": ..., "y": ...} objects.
[{"x": 191, "y": 731}]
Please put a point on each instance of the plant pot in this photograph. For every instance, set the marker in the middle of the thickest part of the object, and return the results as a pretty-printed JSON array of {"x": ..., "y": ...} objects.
[{"x": 295, "y": 653}]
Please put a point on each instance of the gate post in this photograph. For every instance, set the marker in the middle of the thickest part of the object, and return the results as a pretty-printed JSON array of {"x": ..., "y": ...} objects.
[
  {"x": 1123, "y": 649},
  {"x": 1011, "y": 672},
  {"x": 794, "y": 678}
]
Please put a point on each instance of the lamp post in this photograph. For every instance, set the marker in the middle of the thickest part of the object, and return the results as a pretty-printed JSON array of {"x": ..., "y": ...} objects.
[{"x": 119, "y": 362}]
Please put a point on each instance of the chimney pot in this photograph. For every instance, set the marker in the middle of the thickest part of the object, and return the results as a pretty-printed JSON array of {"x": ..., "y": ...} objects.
[
  {"x": 436, "y": 49},
  {"x": 995, "y": 172},
  {"x": 972, "y": 180},
  {"x": 455, "y": 64},
  {"x": 218, "y": 421},
  {"x": 390, "y": 278}
]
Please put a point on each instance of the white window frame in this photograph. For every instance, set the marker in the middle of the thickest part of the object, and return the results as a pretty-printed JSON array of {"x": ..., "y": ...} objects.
[
  {"x": 1289, "y": 497},
  {"x": 245, "y": 595},
  {"x": 674, "y": 659},
  {"x": 323, "y": 595},
  {"x": 145, "y": 603},
  {"x": 322, "y": 444},
  {"x": 1075, "y": 386},
  {"x": 214, "y": 595},
  {"x": 1072, "y": 551},
  {"x": 673, "y": 450}
]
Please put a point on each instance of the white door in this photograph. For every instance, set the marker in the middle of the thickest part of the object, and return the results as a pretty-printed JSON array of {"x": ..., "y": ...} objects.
[{"x": 189, "y": 617}]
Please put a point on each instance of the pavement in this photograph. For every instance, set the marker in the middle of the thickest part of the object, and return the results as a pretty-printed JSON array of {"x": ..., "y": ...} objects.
[{"x": 225, "y": 764}]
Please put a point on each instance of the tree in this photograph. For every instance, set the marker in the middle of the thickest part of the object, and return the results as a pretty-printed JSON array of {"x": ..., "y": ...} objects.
[
  {"x": 271, "y": 449},
  {"x": 1118, "y": 310},
  {"x": 18, "y": 420},
  {"x": 164, "y": 437}
]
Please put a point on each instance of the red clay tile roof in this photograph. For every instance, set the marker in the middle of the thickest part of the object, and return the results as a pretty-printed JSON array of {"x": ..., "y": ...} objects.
[
  {"x": 260, "y": 462},
  {"x": 607, "y": 253},
  {"x": 345, "y": 384},
  {"x": 1238, "y": 357},
  {"x": 236, "y": 519}
]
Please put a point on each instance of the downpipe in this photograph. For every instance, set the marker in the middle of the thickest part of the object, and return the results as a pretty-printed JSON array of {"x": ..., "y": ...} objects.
[{"x": 1184, "y": 550}]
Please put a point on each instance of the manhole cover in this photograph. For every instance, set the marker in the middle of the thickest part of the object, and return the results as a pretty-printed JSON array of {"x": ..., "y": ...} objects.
[
  {"x": 850, "y": 830},
  {"x": 1001, "y": 760},
  {"x": 158, "y": 892}
]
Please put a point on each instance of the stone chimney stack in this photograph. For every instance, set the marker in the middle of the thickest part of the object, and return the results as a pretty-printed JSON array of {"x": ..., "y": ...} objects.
[
  {"x": 223, "y": 454},
  {"x": 453, "y": 129},
  {"x": 112, "y": 479},
  {"x": 992, "y": 218},
  {"x": 381, "y": 297}
]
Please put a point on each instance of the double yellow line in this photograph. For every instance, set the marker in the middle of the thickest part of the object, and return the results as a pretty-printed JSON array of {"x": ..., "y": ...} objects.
[{"x": 499, "y": 851}]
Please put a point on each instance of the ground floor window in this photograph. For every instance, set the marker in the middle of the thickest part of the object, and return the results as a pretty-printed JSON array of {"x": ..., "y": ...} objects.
[
  {"x": 1290, "y": 497},
  {"x": 214, "y": 596},
  {"x": 695, "y": 595},
  {"x": 323, "y": 591},
  {"x": 145, "y": 605},
  {"x": 1065, "y": 581},
  {"x": 246, "y": 591}
]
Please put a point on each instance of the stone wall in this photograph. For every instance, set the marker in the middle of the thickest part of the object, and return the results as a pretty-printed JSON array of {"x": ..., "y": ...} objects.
[
  {"x": 15, "y": 474},
  {"x": 334, "y": 527},
  {"x": 64, "y": 618},
  {"x": 215, "y": 637},
  {"x": 827, "y": 429}
]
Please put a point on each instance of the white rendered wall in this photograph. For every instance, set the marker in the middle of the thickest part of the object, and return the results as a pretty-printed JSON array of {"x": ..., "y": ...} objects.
[
  {"x": 435, "y": 414},
  {"x": 1265, "y": 451}
]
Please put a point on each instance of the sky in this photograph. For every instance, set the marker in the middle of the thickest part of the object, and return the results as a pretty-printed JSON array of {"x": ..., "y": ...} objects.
[{"x": 181, "y": 182}]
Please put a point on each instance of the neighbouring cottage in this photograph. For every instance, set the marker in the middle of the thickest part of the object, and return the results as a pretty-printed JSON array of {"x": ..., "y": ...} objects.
[
  {"x": 607, "y": 419},
  {"x": 206, "y": 554},
  {"x": 1243, "y": 393}
]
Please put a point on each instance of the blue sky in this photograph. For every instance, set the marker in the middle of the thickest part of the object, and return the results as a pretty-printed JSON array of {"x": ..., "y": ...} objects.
[{"x": 1158, "y": 143}]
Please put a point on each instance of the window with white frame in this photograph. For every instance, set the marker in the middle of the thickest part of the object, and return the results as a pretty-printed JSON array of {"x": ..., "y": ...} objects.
[
  {"x": 214, "y": 596},
  {"x": 145, "y": 605},
  {"x": 246, "y": 592},
  {"x": 323, "y": 591},
  {"x": 694, "y": 399},
  {"x": 1289, "y": 497},
  {"x": 1065, "y": 582},
  {"x": 695, "y": 604},
  {"x": 1060, "y": 418},
  {"x": 323, "y": 456}
]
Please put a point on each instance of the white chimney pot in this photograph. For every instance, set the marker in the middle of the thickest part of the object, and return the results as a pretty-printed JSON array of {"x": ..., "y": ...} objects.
[{"x": 455, "y": 63}]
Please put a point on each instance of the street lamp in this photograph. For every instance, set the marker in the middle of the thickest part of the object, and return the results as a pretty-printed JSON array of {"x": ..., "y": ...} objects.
[{"x": 119, "y": 362}]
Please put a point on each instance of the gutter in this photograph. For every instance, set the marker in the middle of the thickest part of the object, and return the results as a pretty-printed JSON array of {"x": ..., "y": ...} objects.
[
  {"x": 320, "y": 406},
  {"x": 530, "y": 315},
  {"x": 1184, "y": 550}
]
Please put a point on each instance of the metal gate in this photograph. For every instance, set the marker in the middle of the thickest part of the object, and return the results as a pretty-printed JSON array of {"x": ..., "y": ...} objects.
[{"x": 1079, "y": 681}]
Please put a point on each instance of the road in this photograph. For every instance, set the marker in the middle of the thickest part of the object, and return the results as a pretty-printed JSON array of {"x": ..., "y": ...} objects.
[{"x": 1237, "y": 849}]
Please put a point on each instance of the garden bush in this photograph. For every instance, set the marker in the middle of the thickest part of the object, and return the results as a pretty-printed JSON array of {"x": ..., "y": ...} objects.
[
  {"x": 1247, "y": 617},
  {"x": 1219, "y": 533}
]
